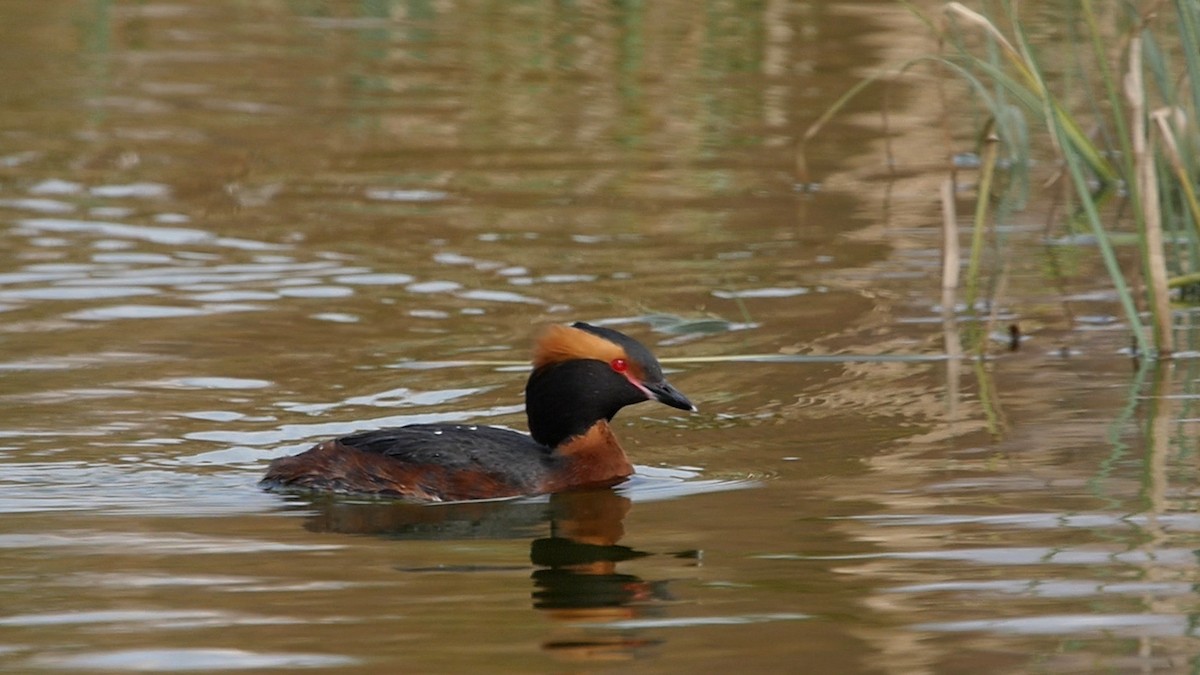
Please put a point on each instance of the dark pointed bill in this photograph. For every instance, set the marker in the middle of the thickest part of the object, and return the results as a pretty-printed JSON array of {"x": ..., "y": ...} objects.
[{"x": 663, "y": 392}]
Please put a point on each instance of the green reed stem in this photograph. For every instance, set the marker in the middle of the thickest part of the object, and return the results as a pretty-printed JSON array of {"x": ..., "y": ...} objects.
[
  {"x": 988, "y": 400},
  {"x": 1113, "y": 95},
  {"x": 1189, "y": 34},
  {"x": 991, "y": 149},
  {"x": 1108, "y": 255}
]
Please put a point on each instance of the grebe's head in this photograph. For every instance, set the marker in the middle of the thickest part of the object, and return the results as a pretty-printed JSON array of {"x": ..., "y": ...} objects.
[
  {"x": 584, "y": 373},
  {"x": 628, "y": 359}
]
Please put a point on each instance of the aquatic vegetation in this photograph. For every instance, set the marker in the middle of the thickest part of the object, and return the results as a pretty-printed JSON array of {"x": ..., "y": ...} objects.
[
  {"x": 1138, "y": 147},
  {"x": 1106, "y": 106}
]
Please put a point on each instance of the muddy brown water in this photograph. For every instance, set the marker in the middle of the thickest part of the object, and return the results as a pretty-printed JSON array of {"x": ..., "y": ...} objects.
[{"x": 231, "y": 229}]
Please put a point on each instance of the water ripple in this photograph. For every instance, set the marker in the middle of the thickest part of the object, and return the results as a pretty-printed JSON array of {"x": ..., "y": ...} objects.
[
  {"x": 140, "y": 543},
  {"x": 1128, "y": 625},
  {"x": 1052, "y": 588},
  {"x": 1189, "y": 522},
  {"x": 1024, "y": 555},
  {"x": 173, "y": 236},
  {"x": 689, "y": 622},
  {"x": 158, "y": 619},
  {"x": 195, "y": 659},
  {"x": 76, "y": 293}
]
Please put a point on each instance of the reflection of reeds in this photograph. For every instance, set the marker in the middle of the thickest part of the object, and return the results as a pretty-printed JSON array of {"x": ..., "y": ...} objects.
[{"x": 1119, "y": 114}]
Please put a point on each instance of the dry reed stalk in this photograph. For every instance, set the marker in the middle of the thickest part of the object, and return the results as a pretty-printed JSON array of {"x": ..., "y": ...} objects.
[
  {"x": 951, "y": 260},
  {"x": 951, "y": 255},
  {"x": 1147, "y": 180},
  {"x": 1170, "y": 147}
]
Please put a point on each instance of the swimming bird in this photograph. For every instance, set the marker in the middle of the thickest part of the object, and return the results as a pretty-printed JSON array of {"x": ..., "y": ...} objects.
[{"x": 582, "y": 376}]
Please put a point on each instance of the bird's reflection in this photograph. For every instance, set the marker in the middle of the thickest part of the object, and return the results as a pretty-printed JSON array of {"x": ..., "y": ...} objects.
[{"x": 576, "y": 580}]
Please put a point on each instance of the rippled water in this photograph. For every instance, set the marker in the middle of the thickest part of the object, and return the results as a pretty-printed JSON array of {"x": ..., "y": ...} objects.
[{"x": 231, "y": 229}]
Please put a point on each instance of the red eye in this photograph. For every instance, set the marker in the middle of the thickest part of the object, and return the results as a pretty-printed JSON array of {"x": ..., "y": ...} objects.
[{"x": 619, "y": 365}]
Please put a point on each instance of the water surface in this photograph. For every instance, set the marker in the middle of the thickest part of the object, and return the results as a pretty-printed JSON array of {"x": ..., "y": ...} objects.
[{"x": 231, "y": 229}]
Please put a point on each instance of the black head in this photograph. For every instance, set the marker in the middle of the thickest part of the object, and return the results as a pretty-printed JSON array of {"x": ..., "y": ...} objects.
[{"x": 583, "y": 374}]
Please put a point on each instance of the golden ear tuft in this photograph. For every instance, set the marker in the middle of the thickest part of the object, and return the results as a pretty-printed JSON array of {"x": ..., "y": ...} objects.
[{"x": 558, "y": 343}]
